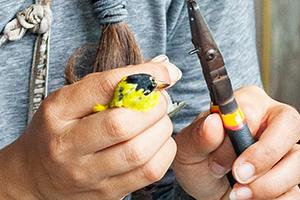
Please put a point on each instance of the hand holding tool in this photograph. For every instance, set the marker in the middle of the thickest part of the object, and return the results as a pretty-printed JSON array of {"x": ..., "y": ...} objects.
[{"x": 218, "y": 82}]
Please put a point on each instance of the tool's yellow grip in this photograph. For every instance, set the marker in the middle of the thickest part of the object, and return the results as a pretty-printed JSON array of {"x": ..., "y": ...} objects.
[{"x": 234, "y": 121}]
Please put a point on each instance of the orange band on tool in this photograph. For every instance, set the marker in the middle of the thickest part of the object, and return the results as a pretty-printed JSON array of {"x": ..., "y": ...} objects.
[
  {"x": 235, "y": 120},
  {"x": 214, "y": 109}
]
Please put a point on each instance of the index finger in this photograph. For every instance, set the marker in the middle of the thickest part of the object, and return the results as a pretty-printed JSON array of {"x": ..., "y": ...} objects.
[{"x": 77, "y": 100}]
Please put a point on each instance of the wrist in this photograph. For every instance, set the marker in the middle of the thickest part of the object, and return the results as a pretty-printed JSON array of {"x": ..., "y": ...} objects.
[{"x": 14, "y": 173}]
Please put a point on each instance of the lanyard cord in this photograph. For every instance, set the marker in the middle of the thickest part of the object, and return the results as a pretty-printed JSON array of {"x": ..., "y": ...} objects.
[
  {"x": 36, "y": 19},
  {"x": 38, "y": 85}
]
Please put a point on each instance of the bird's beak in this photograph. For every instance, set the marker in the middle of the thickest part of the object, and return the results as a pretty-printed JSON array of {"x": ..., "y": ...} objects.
[{"x": 162, "y": 85}]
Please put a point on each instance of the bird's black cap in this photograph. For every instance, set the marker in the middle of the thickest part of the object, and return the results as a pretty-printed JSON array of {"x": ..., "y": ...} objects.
[{"x": 143, "y": 81}]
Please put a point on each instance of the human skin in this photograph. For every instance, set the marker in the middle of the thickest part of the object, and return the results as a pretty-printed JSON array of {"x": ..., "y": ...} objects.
[
  {"x": 68, "y": 152},
  {"x": 267, "y": 170}
]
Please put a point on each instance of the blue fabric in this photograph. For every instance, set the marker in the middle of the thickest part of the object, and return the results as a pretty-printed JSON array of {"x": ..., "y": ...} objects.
[{"x": 160, "y": 27}]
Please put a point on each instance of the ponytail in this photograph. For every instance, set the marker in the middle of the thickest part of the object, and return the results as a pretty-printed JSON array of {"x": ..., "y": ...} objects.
[{"x": 117, "y": 46}]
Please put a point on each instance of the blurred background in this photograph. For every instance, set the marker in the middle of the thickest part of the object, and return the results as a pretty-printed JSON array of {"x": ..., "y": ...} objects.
[{"x": 278, "y": 42}]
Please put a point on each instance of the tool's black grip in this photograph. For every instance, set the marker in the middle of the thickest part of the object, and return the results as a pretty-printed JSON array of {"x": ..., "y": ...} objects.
[{"x": 241, "y": 139}]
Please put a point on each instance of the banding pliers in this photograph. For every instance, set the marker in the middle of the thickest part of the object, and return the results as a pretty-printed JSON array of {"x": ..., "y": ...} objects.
[{"x": 218, "y": 82}]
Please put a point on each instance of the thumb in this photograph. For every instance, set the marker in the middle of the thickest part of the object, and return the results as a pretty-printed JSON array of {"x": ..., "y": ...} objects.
[
  {"x": 77, "y": 100},
  {"x": 199, "y": 139}
]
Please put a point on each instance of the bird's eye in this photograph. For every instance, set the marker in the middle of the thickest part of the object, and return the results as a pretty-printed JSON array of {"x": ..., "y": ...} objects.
[{"x": 154, "y": 83}]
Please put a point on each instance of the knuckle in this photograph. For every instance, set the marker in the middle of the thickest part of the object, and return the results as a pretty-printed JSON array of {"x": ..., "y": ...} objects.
[
  {"x": 134, "y": 155},
  {"x": 56, "y": 151},
  {"x": 116, "y": 124},
  {"x": 246, "y": 95},
  {"x": 262, "y": 156},
  {"x": 268, "y": 155},
  {"x": 106, "y": 86},
  {"x": 47, "y": 109},
  {"x": 79, "y": 177},
  {"x": 290, "y": 116},
  {"x": 103, "y": 82},
  {"x": 152, "y": 173},
  {"x": 268, "y": 151},
  {"x": 252, "y": 88},
  {"x": 46, "y": 119},
  {"x": 258, "y": 91},
  {"x": 272, "y": 189},
  {"x": 50, "y": 107}
]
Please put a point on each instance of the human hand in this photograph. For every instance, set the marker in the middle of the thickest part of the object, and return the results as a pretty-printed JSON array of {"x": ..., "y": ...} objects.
[
  {"x": 69, "y": 152},
  {"x": 267, "y": 170}
]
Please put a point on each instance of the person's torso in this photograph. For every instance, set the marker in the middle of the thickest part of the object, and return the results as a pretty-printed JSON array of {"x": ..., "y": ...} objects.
[{"x": 160, "y": 26}]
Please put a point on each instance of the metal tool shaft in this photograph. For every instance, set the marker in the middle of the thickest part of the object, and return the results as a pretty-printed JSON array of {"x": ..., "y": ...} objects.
[{"x": 218, "y": 82}]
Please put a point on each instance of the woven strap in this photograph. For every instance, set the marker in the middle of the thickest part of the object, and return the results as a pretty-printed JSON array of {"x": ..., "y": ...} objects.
[
  {"x": 38, "y": 88},
  {"x": 36, "y": 19}
]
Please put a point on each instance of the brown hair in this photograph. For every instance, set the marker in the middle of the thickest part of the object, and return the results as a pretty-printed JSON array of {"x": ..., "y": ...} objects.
[{"x": 117, "y": 48}]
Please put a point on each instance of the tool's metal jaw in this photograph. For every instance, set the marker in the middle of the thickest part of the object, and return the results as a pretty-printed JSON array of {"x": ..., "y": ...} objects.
[
  {"x": 205, "y": 45},
  {"x": 211, "y": 59}
]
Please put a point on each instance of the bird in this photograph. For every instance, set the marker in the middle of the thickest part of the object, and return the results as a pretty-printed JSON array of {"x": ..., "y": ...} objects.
[{"x": 138, "y": 92}]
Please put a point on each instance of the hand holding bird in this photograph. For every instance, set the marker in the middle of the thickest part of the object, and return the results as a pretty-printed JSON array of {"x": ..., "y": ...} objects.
[{"x": 140, "y": 92}]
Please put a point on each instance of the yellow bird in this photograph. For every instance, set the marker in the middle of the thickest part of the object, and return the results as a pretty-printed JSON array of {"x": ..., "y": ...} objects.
[{"x": 138, "y": 92}]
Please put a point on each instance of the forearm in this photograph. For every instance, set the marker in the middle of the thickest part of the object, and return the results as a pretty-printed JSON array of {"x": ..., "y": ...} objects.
[{"x": 14, "y": 176}]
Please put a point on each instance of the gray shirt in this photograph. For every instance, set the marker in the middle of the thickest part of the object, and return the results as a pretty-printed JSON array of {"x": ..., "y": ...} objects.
[{"x": 160, "y": 26}]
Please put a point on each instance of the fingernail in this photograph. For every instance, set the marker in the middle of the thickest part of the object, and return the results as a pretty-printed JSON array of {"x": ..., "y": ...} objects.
[
  {"x": 244, "y": 172},
  {"x": 241, "y": 193},
  {"x": 160, "y": 58},
  {"x": 174, "y": 73},
  {"x": 206, "y": 121},
  {"x": 217, "y": 170}
]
